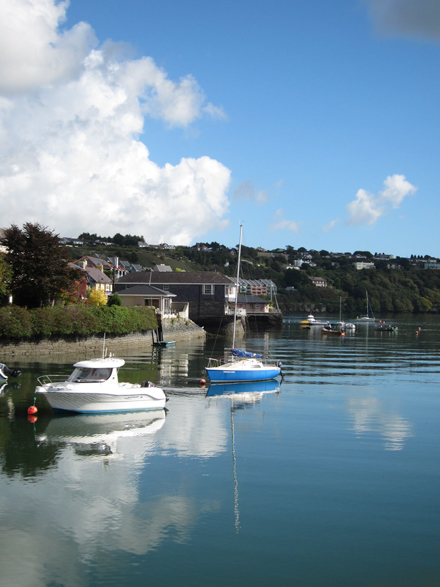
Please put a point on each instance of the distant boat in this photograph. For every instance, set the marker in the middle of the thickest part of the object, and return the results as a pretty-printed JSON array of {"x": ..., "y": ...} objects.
[
  {"x": 386, "y": 327},
  {"x": 366, "y": 317},
  {"x": 312, "y": 321},
  {"x": 164, "y": 343},
  {"x": 238, "y": 365},
  {"x": 333, "y": 331}
]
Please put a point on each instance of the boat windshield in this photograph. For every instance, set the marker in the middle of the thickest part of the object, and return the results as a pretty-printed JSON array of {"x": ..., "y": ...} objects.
[{"x": 90, "y": 375}]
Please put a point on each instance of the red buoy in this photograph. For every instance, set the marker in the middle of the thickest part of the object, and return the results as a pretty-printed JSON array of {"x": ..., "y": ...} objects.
[
  {"x": 202, "y": 381},
  {"x": 32, "y": 410},
  {"x": 32, "y": 419}
]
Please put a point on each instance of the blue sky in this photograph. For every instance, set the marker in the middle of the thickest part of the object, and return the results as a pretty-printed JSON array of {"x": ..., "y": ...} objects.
[{"x": 315, "y": 123}]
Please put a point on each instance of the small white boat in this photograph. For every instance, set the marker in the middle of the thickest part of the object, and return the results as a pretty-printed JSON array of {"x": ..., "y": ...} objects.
[
  {"x": 6, "y": 372},
  {"x": 312, "y": 321},
  {"x": 93, "y": 387}
]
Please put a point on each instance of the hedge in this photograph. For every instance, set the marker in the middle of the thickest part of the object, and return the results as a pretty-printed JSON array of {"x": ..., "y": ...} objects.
[{"x": 75, "y": 320}]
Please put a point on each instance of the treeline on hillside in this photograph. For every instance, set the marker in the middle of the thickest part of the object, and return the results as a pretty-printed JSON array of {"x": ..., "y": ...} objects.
[
  {"x": 409, "y": 288},
  {"x": 129, "y": 240},
  {"x": 389, "y": 291},
  {"x": 17, "y": 323}
]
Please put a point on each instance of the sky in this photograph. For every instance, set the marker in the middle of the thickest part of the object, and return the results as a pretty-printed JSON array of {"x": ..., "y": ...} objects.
[{"x": 314, "y": 124}]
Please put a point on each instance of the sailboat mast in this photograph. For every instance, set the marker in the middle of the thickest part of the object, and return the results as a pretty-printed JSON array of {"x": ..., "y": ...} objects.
[{"x": 237, "y": 287}]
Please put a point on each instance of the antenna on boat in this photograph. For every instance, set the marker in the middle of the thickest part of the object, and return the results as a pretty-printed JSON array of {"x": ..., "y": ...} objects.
[{"x": 237, "y": 287}]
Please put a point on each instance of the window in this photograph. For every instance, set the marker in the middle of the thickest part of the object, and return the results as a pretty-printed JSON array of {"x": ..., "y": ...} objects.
[{"x": 208, "y": 289}]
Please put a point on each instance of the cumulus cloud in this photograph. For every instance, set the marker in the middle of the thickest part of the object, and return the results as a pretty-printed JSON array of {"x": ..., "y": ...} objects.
[
  {"x": 70, "y": 118},
  {"x": 419, "y": 18},
  {"x": 367, "y": 208},
  {"x": 279, "y": 223}
]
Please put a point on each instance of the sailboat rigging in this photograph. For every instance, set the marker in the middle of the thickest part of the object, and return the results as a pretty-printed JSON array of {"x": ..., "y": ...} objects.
[
  {"x": 238, "y": 365},
  {"x": 366, "y": 317}
]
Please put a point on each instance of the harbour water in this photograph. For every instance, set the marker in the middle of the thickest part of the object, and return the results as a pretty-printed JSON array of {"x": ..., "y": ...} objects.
[{"x": 329, "y": 478}]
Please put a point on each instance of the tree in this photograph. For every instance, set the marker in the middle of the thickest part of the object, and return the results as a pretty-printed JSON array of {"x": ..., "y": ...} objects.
[
  {"x": 114, "y": 300},
  {"x": 40, "y": 272},
  {"x": 5, "y": 279},
  {"x": 97, "y": 297}
]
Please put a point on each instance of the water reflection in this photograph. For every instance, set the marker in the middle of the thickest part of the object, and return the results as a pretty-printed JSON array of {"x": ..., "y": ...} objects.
[
  {"x": 92, "y": 490},
  {"x": 108, "y": 500},
  {"x": 369, "y": 415},
  {"x": 242, "y": 394},
  {"x": 98, "y": 434}
]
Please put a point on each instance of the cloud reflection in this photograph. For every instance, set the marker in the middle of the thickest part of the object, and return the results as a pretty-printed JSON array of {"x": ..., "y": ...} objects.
[{"x": 369, "y": 415}]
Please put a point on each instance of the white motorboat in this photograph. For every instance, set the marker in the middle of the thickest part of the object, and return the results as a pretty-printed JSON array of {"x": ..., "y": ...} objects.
[
  {"x": 312, "y": 321},
  {"x": 6, "y": 372},
  {"x": 93, "y": 387}
]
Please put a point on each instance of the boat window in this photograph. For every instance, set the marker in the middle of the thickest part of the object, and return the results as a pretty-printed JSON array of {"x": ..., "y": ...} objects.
[{"x": 90, "y": 375}]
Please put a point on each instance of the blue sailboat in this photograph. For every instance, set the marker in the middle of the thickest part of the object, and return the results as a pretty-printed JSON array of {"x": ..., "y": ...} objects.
[{"x": 238, "y": 365}]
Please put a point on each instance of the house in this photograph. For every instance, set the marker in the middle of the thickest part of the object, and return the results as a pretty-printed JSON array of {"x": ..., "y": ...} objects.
[
  {"x": 252, "y": 304},
  {"x": 162, "y": 268},
  {"x": 207, "y": 293},
  {"x": 257, "y": 287},
  {"x": 95, "y": 278},
  {"x": 363, "y": 265},
  {"x": 148, "y": 295},
  {"x": 318, "y": 281},
  {"x": 96, "y": 262}
]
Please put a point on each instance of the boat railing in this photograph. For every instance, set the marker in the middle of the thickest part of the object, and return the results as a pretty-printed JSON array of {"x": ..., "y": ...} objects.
[{"x": 50, "y": 379}]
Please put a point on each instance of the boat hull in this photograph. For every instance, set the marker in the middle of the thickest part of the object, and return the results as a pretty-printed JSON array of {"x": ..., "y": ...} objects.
[
  {"x": 230, "y": 375},
  {"x": 87, "y": 403}
]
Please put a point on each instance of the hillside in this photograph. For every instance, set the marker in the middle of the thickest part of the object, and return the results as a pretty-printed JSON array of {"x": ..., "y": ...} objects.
[{"x": 400, "y": 285}]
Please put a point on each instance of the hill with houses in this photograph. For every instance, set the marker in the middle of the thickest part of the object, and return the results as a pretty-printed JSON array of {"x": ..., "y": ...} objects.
[{"x": 301, "y": 279}]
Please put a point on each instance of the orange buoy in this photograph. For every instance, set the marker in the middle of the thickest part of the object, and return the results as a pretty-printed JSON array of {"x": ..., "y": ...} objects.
[
  {"x": 202, "y": 381},
  {"x": 32, "y": 410},
  {"x": 32, "y": 419}
]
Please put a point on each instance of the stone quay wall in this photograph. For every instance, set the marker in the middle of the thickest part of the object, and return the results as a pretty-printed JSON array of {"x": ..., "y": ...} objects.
[{"x": 173, "y": 329}]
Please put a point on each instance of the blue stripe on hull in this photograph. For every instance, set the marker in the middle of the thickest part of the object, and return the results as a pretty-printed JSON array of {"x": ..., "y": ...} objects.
[{"x": 229, "y": 376}]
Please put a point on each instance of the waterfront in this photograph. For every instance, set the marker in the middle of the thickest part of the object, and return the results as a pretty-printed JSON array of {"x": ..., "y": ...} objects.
[{"x": 333, "y": 480}]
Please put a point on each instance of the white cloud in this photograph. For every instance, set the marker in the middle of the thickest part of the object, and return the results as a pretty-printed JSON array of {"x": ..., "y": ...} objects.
[
  {"x": 279, "y": 223},
  {"x": 368, "y": 208},
  {"x": 70, "y": 117},
  {"x": 247, "y": 191},
  {"x": 330, "y": 225},
  {"x": 419, "y": 18}
]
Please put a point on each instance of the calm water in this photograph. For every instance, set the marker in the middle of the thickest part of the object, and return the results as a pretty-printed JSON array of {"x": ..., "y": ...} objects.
[{"x": 332, "y": 480}]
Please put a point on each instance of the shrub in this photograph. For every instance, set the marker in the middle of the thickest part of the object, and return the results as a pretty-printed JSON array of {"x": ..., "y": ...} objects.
[
  {"x": 15, "y": 322},
  {"x": 73, "y": 320},
  {"x": 114, "y": 300}
]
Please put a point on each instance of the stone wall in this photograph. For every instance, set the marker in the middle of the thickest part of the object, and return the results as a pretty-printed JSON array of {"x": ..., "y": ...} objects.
[{"x": 173, "y": 329}]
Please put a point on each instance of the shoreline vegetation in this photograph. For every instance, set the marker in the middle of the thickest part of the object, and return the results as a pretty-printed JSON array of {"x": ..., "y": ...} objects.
[{"x": 19, "y": 324}]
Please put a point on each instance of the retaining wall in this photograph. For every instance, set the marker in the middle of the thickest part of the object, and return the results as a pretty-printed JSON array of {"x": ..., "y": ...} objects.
[{"x": 173, "y": 329}]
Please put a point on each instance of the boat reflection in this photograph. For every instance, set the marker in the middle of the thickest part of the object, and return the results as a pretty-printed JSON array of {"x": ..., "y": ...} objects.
[
  {"x": 98, "y": 434},
  {"x": 249, "y": 392}
]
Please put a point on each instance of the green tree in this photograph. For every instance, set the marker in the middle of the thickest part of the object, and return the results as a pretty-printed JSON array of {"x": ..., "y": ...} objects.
[
  {"x": 5, "y": 279},
  {"x": 39, "y": 265}
]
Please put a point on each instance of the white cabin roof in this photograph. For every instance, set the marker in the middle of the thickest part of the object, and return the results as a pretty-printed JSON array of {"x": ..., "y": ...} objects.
[{"x": 108, "y": 363}]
